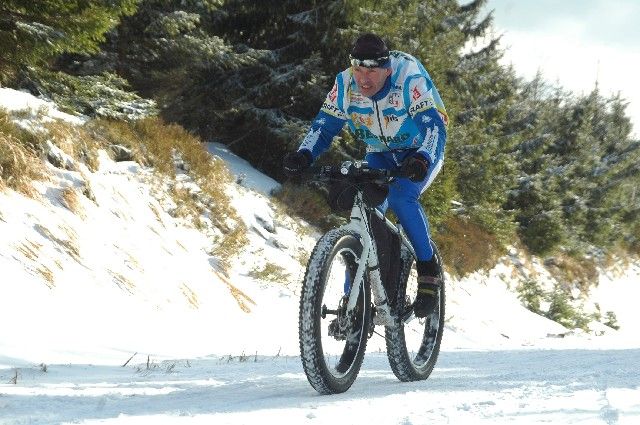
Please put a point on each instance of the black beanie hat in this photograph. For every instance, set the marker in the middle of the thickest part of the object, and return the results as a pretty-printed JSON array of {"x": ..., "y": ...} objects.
[{"x": 369, "y": 46}]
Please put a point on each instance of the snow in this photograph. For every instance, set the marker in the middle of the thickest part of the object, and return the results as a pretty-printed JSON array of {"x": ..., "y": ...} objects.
[
  {"x": 117, "y": 312},
  {"x": 14, "y": 100},
  {"x": 485, "y": 387},
  {"x": 247, "y": 176}
]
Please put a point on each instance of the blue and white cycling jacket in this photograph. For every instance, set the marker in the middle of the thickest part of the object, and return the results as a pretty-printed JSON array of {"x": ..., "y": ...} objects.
[{"x": 407, "y": 113}]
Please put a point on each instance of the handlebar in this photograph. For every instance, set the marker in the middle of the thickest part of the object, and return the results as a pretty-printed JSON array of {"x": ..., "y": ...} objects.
[{"x": 358, "y": 171}]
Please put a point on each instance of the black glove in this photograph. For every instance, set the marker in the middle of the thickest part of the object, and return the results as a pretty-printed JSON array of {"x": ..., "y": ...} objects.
[
  {"x": 415, "y": 168},
  {"x": 294, "y": 163}
]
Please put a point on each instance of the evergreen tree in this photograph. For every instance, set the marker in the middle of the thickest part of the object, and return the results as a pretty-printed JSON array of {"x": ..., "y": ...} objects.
[
  {"x": 614, "y": 177},
  {"x": 578, "y": 169},
  {"x": 252, "y": 74},
  {"x": 262, "y": 107},
  {"x": 249, "y": 74},
  {"x": 32, "y": 33},
  {"x": 436, "y": 32},
  {"x": 480, "y": 94}
]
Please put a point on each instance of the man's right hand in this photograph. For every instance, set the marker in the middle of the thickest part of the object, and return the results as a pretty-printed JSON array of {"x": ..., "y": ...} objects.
[
  {"x": 294, "y": 163},
  {"x": 415, "y": 168}
]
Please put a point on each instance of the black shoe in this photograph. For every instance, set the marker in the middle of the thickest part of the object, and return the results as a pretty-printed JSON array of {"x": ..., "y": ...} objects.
[{"x": 427, "y": 298}]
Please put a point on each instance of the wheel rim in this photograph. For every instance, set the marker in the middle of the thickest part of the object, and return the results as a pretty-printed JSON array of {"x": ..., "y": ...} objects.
[{"x": 340, "y": 345}]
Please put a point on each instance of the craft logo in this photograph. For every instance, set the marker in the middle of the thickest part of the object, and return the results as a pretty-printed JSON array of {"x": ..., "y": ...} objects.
[
  {"x": 332, "y": 109},
  {"x": 422, "y": 106}
]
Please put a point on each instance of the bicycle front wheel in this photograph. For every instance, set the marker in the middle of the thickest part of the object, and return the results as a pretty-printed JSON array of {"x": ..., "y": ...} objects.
[
  {"x": 332, "y": 340},
  {"x": 413, "y": 344}
]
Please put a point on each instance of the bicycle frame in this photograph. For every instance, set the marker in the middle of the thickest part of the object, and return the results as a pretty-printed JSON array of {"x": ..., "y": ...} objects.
[
  {"x": 357, "y": 312},
  {"x": 359, "y": 223}
]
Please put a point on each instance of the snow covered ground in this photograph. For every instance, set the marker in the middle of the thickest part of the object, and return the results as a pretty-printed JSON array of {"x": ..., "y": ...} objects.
[
  {"x": 120, "y": 281},
  {"x": 476, "y": 387}
]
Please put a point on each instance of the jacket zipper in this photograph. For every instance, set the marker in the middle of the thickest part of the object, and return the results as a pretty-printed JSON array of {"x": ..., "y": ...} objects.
[{"x": 375, "y": 102}]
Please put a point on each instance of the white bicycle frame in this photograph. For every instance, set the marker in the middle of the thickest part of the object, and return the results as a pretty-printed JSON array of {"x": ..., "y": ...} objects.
[{"x": 368, "y": 262}]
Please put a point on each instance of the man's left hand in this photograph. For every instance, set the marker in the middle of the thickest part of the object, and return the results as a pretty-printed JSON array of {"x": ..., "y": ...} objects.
[{"x": 294, "y": 163}]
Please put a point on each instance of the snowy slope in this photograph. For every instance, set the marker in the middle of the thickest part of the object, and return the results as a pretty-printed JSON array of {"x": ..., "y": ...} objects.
[{"x": 120, "y": 280}]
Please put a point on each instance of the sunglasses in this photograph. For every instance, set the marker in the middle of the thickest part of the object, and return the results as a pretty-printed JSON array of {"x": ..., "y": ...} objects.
[{"x": 380, "y": 62}]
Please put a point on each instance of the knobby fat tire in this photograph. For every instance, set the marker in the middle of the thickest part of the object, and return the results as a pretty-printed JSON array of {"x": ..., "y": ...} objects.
[
  {"x": 400, "y": 360},
  {"x": 311, "y": 353}
]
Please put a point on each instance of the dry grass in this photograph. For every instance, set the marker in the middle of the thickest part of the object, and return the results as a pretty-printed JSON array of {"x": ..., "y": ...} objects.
[
  {"x": 71, "y": 234},
  {"x": 47, "y": 274},
  {"x": 157, "y": 144},
  {"x": 303, "y": 258},
  {"x": 160, "y": 145},
  {"x": 87, "y": 191},
  {"x": 184, "y": 248},
  {"x": 29, "y": 249},
  {"x": 151, "y": 142},
  {"x": 192, "y": 297},
  {"x": 122, "y": 282},
  {"x": 270, "y": 272},
  {"x": 70, "y": 200},
  {"x": 573, "y": 272},
  {"x": 20, "y": 164},
  {"x": 465, "y": 247},
  {"x": 21, "y": 151},
  {"x": 68, "y": 246},
  {"x": 76, "y": 141},
  {"x": 112, "y": 132},
  {"x": 131, "y": 262},
  {"x": 156, "y": 213},
  {"x": 619, "y": 258},
  {"x": 241, "y": 298},
  {"x": 306, "y": 203},
  {"x": 186, "y": 204},
  {"x": 230, "y": 244},
  {"x": 154, "y": 230}
]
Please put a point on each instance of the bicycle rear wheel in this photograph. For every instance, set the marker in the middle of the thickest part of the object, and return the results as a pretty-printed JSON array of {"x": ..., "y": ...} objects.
[
  {"x": 333, "y": 342},
  {"x": 413, "y": 344}
]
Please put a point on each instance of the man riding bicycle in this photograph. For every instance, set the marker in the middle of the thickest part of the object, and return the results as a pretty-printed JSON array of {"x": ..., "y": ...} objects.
[{"x": 390, "y": 104}]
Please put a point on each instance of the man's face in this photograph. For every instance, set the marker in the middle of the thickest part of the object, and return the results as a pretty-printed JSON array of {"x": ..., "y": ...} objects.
[{"x": 370, "y": 80}]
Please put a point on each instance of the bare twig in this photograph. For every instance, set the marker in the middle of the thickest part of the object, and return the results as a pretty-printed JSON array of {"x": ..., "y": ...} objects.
[{"x": 127, "y": 362}]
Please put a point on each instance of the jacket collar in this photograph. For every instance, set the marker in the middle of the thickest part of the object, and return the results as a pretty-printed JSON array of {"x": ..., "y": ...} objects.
[{"x": 383, "y": 91}]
